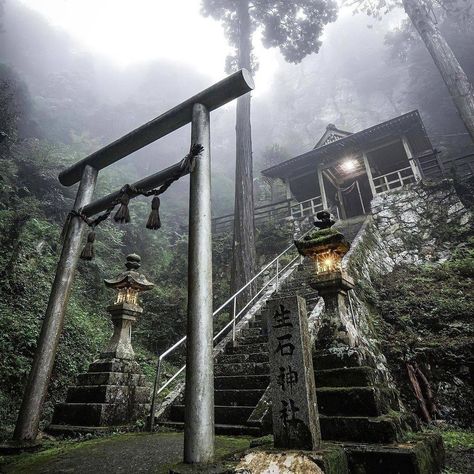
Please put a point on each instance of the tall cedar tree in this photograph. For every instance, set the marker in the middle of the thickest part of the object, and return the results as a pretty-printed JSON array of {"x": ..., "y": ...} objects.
[
  {"x": 422, "y": 15},
  {"x": 295, "y": 28}
]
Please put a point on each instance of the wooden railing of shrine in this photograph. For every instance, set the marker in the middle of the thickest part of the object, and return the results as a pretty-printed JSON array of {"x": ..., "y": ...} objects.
[
  {"x": 430, "y": 165},
  {"x": 395, "y": 179},
  {"x": 276, "y": 211}
]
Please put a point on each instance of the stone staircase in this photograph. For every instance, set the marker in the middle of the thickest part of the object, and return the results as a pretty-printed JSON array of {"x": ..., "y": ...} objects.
[
  {"x": 353, "y": 405},
  {"x": 242, "y": 377}
]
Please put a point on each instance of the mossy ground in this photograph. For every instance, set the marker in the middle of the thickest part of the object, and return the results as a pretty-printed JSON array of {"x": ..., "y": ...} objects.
[
  {"x": 459, "y": 445},
  {"x": 131, "y": 452}
]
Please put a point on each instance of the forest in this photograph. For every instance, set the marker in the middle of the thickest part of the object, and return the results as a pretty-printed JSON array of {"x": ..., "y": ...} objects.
[{"x": 60, "y": 101}]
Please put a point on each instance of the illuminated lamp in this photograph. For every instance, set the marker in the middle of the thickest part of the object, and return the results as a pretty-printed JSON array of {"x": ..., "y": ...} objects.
[{"x": 349, "y": 165}]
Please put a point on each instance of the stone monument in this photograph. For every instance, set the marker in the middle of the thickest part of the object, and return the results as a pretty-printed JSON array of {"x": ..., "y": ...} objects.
[
  {"x": 113, "y": 391},
  {"x": 292, "y": 387}
]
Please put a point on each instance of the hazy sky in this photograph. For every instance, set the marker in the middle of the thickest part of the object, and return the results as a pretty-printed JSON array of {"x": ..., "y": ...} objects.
[{"x": 139, "y": 30}]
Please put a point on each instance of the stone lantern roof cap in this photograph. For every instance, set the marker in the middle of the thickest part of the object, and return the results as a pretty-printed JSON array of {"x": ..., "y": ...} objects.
[{"x": 130, "y": 278}]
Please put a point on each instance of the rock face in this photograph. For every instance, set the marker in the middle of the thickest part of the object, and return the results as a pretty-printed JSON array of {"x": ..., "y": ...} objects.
[
  {"x": 283, "y": 463},
  {"x": 419, "y": 223}
]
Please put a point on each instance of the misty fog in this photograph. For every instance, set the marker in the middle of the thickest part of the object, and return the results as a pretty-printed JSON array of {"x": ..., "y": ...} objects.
[{"x": 364, "y": 74}]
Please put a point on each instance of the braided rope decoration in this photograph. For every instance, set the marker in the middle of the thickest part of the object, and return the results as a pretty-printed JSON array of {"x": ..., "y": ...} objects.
[{"x": 126, "y": 193}]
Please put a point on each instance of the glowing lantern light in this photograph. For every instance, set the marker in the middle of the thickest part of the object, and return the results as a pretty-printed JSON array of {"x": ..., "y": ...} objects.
[
  {"x": 129, "y": 283},
  {"x": 325, "y": 248}
]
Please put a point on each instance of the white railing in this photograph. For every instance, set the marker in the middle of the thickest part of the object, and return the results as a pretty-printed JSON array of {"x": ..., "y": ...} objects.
[
  {"x": 270, "y": 275},
  {"x": 307, "y": 208},
  {"x": 393, "y": 180}
]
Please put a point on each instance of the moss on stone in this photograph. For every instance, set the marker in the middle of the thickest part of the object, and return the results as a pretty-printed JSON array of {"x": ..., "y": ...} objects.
[{"x": 320, "y": 237}]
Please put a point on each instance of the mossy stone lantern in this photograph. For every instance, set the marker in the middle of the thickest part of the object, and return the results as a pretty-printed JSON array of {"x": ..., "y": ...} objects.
[
  {"x": 126, "y": 309},
  {"x": 325, "y": 248}
]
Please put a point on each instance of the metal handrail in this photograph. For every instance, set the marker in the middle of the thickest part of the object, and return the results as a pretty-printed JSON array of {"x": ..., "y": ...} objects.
[{"x": 236, "y": 315}]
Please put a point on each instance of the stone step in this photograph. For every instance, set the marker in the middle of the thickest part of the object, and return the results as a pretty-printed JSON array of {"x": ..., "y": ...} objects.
[
  {"x": 106, "y": 394},
  {"x": 226, "y": 430},
  {"x": 224, "y": 415},
  {"x": 236, "y": 382},
  {"x": 110, "y": 378},
  {"x": 249, "y": 340},
  {"x": 356, "y": 401},
  {"x": 96, "y": 414},
  {"x": 245, "y": 368},
  {"x": 256, "y": 324},
  {"x": 382, "y": 429},
  {"x": 424, "y": 454},
  {"x": 246, "y": 349},
  {"x": 323, "y": 360},
  {"x": 345, "y": 377},
  {"x": 241, "y": 358},
  {"x": 115, "y": 365},
  {"x": 240, "y": 397},
  {"x": 250, "y": 332}
]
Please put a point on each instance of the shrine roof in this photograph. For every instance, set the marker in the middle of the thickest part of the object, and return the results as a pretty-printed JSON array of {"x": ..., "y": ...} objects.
[{"x": 409, "y": 124}]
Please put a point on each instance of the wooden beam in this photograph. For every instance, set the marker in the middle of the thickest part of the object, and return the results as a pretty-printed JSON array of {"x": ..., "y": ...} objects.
[
  {"x": 411, "y": 160},
  {"x": 212, "y": 98},
  {"x": 321, "y": 189},
  {"x": 147, "y": 184},
  {"x": 369, "y": 174}
]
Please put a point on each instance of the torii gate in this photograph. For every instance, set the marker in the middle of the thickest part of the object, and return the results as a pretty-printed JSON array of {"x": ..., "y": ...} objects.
[{"x": 199, "y": 421}]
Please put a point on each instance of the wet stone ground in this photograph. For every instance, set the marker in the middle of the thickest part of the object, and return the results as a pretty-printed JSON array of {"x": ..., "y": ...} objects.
[
  {"x": 129, "y": 453},
  {"x": 156, "y": 453}
]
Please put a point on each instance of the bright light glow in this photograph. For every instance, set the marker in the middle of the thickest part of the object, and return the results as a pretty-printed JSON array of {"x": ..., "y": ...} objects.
[
  {"x": 349, "y": 165},
  {"x": 127, "y": 295},
  {"x": 328, "y": 262},
  {"x": 130, "y": 32}
]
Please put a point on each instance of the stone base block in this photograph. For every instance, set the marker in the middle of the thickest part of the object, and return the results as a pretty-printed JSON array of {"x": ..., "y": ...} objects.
[
  {"x": 112, "y": 393},
  {"x": 423, "y": 455},
  {"x": 17, "y": 447},
  {"x": 340, "y": 357},
  {"x": 356, "y": 401},
  {"x": 74, "y": 431},
  {"x": 98, "y": 414},
  {"x": 115, "y": 365},
  {"x": 381, "y": 429},
  {"x": 118, "y": 394}
]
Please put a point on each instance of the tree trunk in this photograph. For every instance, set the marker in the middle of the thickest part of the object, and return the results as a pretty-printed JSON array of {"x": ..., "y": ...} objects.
[
  {"x": 455, "y": 78},
  {"x": 243, "y": 249}
]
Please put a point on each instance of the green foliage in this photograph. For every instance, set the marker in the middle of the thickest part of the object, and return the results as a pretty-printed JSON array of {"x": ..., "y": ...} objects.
[
  {"x": 458, "y": 439},
  {"x": 293, "y": 27}
]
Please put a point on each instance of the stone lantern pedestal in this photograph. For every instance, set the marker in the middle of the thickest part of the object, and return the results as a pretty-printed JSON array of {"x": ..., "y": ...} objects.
[
  {"x": 113, "y": 391},
  {"x": 324, "y": 250}
]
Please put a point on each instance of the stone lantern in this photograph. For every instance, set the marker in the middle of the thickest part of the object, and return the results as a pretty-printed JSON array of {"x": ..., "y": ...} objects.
[
  {"x": 113, "y": 392},
  {"x": 324, "y": 249},
  {"x": 125, "y": 309}
]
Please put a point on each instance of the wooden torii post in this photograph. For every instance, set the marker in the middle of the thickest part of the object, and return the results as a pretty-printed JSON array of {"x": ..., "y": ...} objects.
[{"x": 199, "y": 426}]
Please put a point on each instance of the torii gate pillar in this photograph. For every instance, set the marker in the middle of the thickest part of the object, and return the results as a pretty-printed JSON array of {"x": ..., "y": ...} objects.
[{"x": 199, "y": 392}]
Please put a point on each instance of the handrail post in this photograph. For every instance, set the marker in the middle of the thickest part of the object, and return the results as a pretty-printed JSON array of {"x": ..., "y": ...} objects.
[
  {"x": 233, "y": 320},
  {"x": 277, "y": 270},
  {"x": 151, "y": 422}
]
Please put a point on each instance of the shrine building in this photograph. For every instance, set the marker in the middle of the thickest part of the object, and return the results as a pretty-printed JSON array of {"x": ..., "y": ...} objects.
[{"x": 345, "y": 170}]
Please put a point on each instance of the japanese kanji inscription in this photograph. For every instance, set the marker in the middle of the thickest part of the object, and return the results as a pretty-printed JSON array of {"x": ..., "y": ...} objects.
[{"x": 293, "y": 392}]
